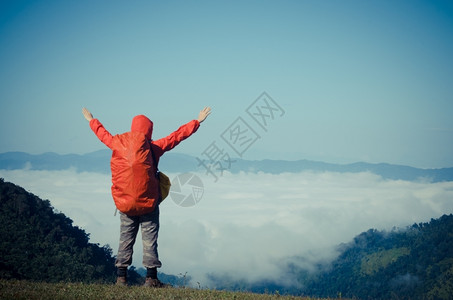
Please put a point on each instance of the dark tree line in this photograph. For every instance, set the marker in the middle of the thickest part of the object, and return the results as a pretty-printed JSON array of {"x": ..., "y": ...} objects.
[{"x": 37, "y": 243}]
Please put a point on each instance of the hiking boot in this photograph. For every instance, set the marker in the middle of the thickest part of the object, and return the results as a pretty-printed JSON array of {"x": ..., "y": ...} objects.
[
  {"x": 121, "y": 281},
  {"x": 155, "y": 283}
]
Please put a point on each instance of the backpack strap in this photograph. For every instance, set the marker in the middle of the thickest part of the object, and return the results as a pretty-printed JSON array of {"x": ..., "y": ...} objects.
[
  {"x": 154, "y": 160},
  {"x": 157, "y": 171}
]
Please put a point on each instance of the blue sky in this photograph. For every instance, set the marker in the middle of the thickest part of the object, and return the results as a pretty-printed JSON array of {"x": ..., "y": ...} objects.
[{"x": 358, "y": 80}]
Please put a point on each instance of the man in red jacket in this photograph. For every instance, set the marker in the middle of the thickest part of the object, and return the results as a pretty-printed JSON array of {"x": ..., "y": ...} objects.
[{"x": 135, "y": 187}]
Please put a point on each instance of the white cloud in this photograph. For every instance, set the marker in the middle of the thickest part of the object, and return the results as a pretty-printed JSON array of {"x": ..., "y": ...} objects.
[{"x": 249, "y": 224}]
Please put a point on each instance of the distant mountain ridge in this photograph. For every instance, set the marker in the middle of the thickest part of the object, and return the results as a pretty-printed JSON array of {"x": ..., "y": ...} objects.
[{"x": 99, "y": 161}]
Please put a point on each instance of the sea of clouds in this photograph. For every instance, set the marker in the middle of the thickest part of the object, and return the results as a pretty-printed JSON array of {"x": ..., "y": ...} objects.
[{"x": 248, "y": 225}]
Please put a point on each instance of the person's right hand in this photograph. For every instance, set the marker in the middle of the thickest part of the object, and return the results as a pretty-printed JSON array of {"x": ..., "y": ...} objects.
[
  {"x": 86, "y": 113},
  {"x": 204, "y": 114}
]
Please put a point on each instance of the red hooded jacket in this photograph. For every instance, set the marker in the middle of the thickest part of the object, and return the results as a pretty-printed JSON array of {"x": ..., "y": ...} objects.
[{"x": 135, "y": 188}]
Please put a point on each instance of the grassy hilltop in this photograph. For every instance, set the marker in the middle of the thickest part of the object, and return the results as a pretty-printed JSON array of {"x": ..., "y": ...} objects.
[{"x": 15, "y": 289}]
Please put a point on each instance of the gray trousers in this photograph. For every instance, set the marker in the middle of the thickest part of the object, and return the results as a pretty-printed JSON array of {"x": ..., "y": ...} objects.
[{"x": 149, "y": 224}]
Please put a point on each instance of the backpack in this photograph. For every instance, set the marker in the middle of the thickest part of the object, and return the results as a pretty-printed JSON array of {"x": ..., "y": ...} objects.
[{"x": 135, "y": 188}]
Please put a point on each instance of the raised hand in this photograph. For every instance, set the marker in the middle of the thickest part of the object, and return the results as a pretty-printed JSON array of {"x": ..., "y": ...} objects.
[
  {"x": 204, "y": 114},
  {"x": 86, "y": 113}
]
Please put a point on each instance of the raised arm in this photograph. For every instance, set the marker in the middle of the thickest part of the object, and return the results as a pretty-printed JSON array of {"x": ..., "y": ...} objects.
[
  {"x": 102, "y": 134},
  {"x": 169, "y": 142}
]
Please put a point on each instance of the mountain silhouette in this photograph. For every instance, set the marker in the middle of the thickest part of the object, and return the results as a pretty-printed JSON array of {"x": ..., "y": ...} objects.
[{"x": 99, "y": 161}]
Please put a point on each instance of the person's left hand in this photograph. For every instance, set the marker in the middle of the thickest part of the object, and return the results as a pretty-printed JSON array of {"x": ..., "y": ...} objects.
[{"x": 204, "y": 114}]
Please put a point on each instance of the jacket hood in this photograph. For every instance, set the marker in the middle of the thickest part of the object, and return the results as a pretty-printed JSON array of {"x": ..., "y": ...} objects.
[{"x": 142, "y": 124}]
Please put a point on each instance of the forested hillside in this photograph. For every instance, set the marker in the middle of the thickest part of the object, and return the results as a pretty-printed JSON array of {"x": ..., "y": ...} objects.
[
  {"x": 38, "y": 243},
  {"x": 410, "y": 263},
  {"x": 416, "y": 263}
]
